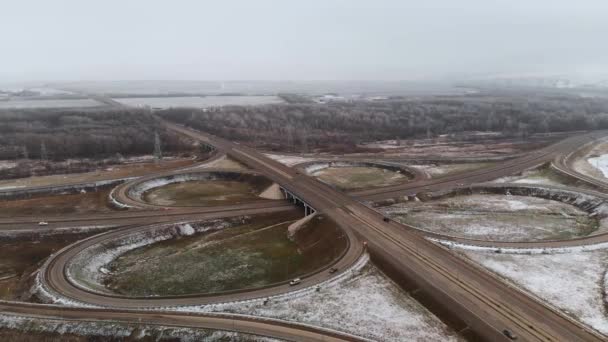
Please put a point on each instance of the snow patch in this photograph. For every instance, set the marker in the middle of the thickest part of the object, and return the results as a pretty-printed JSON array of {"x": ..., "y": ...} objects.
[
  {"x": 289, "y": 160},
  {"x": 5, "y": 164},
  {"x": 572, "y": 282},
  {"x": 84, "y": 268},
  {"x": 600, "y": 163},
  {"x": 508, "y": 250},
  {"x": 360, "y": 301},
  {"x": 186, "y": 230}
]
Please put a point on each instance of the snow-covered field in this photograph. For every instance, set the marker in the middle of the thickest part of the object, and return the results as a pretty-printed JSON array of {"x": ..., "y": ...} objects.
[
  {"x": 198, "y": 101},
  {"x": 530, "y": 177},
  {"x": 594, "y": 162},
  {"x": 573, "y": 282},
  {"x": 49, "y": 103},
  {"x": 6, "y": 164},
  {"x": 11, "y": 187},
  {"x": 435, "y": 170},
  {"x": 600, "y": 163},
  {"x": 289, "y": 160},
  {"x": 495, "y": 217},
  {"x": 364, "y": 303}
]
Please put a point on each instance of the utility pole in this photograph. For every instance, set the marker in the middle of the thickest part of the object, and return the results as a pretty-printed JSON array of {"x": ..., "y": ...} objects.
[
  {"x": 43, "y": 153},
  {"x": 158, "y": 155}
]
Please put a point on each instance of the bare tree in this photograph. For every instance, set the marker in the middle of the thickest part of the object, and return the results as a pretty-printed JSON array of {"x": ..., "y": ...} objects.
[
  {"x": 289, "y": 133},
  {"x": 304, "y": 140}
]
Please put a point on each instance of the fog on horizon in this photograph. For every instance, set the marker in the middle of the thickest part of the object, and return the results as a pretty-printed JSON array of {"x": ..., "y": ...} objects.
[{"x": 310, "y": 40}]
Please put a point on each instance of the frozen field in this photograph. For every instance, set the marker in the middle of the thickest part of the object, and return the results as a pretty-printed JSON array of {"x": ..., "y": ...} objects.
[
  {"x": 594, "y": 163},
  {"x": 573, "y": 282},
  {"x": 49, "y": 104},
  {"x": 440, "y": 170},
  {"x": 600, "y": 163},
  {"x": 364, "y": 302},
  {"x": 496, "y": 217},
  {"x": 198, "y": 101},
  {"x": 289, "y": 160}
]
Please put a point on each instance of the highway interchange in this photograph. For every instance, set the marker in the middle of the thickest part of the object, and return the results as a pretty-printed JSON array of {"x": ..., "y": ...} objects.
[{"x": 483, "y": 302}]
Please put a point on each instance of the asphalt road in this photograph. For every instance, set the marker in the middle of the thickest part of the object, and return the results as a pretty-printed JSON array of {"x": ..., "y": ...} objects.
[{"x": 485, "y": 302}]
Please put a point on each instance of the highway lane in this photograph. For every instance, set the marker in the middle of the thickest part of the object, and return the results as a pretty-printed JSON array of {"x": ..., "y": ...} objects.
[
  {"x": 127, "y": 217},
  {"x": 491, "y": 304},
  {"x": 507, "y": 168}
]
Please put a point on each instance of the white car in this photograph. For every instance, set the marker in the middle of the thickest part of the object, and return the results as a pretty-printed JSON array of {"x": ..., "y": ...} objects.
[
  {"x": 43, "y": 223},
  {"x": 295, "y": 281}
]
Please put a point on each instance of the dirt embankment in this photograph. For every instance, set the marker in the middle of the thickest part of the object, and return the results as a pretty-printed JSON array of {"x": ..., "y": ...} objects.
[{"x": 320, "y": 241}]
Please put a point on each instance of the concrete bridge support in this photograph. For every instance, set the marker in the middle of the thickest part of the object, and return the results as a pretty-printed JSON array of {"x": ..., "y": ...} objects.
[{"x": 308, "y": 209}]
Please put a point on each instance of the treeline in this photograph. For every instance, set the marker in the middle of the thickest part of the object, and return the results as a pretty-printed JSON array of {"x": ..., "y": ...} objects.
[
  {"x": 63, "y": 134},
  {"x": 342, "y": 126}
]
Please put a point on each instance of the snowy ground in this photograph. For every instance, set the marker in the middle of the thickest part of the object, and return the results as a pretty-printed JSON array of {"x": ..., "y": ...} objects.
[
  {"x": 50, "y": 103},
  {"x": 594, "y": 163},
  {"x": 364, "y": 303},
  {"x": 600, "y": 163},
  {"x": 289, "y": 160},
  {"x": 496, "y": 217},
  {"x": 573, "y": 282},
  {"x": 446, "y": 147},
  {"x": 11, "y": 187},
  {"x": 438, "y": 170},
  {"x": 535, "y": 176},
  {"x": 199, "y": 101},
  {"x": 5, "y": 164}
]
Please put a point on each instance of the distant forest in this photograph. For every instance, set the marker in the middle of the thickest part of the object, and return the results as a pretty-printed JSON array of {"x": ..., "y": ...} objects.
[
  {"x": 61, "y": 134},
  {"x": 339, "y": 127},
  {"x": 55, "y": 134}
]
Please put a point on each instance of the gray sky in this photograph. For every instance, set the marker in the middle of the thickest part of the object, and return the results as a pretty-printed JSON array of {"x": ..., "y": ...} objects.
[{"x": 299, "y": 40}]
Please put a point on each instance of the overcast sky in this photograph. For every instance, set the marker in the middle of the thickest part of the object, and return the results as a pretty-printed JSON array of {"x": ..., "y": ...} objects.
[{"x": 294, "y": 40}]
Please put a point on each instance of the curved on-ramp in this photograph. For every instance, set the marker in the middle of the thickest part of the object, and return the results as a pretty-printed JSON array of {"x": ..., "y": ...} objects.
[{"x": 265, "y": 327}]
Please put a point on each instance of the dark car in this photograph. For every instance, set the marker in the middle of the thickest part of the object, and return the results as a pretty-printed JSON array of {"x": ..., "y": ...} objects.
[
  {"x": 509, "y": 334},
  {"x": 386, "y": 219}
]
